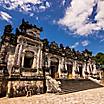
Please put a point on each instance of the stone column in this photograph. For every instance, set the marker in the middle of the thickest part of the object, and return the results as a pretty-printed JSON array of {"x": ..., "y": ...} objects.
[
  {"x": 41, "y": 59},
  {"x": 38, "y": 60},
  {"x": 66, "y": 65},
  {"x": 34, "y": 62},
  {"x": 2, "y": 53},
  {"x": 16, "y": 54},
  {"x": 10, "y": 63},
  {"x": 74, "y": 68},
  {"x": 19, "y": 55},
  {"x": 62, "y": 63},
  {"x": 100, "y": 75},
  {"x": 49, "y": 65},
  {"x": 23, "y": 56},
  {"x": 49, "y": 62},
  {"x": 94, "y": 69},
  {"x": 88, "y": 70},
  {"x": 59, "y": 69},
  {"x": 8, "y": 94},
  {"x": 83, "y": 70}
]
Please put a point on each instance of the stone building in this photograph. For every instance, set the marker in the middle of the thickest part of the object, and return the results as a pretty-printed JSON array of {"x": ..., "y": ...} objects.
[{"x": 24, "y": 57}]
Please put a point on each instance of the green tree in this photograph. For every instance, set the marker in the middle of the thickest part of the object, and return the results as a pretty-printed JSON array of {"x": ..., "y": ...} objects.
[{"x": 99, "y": 58}]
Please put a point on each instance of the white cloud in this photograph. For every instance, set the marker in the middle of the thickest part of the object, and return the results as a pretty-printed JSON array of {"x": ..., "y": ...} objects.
[
  {"x": 47, "y": 4},
  {"x": 102, "y": 40},
  {"x": 63, "y": 2},
  {"x": 82, "y": 43},
  {"x": 25, "y": 5},
  {"x": 76, "y": 17},
  {"x": 74, "y": 45},
  {"x": 54, "y": 22},
  {"x": 85, "y": 43},
  {"x": 5, "y": 16}
]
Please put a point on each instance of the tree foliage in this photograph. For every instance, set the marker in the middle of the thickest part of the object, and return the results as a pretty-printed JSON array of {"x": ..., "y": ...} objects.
[{"x": 99, "y": 58}]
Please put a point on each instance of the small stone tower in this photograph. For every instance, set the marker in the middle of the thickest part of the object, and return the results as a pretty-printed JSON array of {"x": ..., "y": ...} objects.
[
  {"x": 4, "y": 50},
  {"x": 5, "y": 45}
]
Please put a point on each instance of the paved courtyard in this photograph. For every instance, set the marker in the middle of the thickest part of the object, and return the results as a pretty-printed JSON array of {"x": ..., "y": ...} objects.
[{"x": 92, "y": 96}]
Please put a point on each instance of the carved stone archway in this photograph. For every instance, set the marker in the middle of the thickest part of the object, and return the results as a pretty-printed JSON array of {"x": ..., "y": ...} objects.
[
  {"x": 54, "y": 63},
  {"x": 29, "y": 59},
  {"x": 69, "y": 69}
]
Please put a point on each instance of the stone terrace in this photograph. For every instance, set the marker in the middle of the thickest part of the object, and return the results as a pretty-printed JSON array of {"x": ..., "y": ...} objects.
[{"x": 92, "y": 96}]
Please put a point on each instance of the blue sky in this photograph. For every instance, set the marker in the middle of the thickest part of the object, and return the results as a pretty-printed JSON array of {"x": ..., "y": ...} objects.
[{"x": 75, "y": 23}]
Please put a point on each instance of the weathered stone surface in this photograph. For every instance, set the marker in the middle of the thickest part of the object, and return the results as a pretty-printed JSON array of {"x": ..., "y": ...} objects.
[
  {"x": 52, "y": 85},
  {"x": 22, "y": 88},
  {"x": 93, "y": 96}
]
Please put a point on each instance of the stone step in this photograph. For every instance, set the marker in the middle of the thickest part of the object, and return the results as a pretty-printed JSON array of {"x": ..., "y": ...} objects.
[{"x": 78, "y": 85}]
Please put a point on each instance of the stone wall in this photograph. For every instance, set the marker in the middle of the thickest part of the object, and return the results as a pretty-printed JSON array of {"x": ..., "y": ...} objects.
[
  {"x": 24, "y": 88},
  {"x": 3, "y": 87}
]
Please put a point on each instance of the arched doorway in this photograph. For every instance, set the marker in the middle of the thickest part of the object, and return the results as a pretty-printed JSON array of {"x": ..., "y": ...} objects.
[
  {"x": 80, "y": 70},
  {"x": 69, "y": 68},
  {"x": 54, "y": 62},
  {"x": 28, "y": 59}
]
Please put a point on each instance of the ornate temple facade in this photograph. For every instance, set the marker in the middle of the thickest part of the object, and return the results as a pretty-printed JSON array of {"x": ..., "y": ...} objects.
[{"x": 24, "y": 57}]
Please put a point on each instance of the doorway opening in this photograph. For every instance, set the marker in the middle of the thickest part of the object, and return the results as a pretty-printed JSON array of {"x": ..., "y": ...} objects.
[
  {"x": 69, "y": 68},
  {"x": 28, "y": 59},
  {"x": 80, "y": 71},
  {"x": 54, "y": 67}
]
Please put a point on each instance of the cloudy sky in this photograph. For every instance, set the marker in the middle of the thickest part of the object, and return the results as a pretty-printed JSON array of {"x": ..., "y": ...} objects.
[{"x": 75, "y": 23}]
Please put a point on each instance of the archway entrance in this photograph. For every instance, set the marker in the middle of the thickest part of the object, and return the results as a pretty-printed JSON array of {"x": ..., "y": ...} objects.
[
  {"x": 69, "y": 68},
  {"x": 28, "y": 59},
  {"x": 80, "y": 70},
  {"x": 54, "y": 67}
]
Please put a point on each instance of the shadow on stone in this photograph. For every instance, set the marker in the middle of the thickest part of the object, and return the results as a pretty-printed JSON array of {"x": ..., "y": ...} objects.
[{"x": 75, "y": 85}]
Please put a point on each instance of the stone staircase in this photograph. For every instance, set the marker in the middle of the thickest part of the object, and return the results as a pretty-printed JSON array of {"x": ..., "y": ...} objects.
[
  {"x": 95, "y": 80},
  {"x": 98, "y": 81},
  {"x": 75, "y": 85},
  {"x": 70, "y": 85}
]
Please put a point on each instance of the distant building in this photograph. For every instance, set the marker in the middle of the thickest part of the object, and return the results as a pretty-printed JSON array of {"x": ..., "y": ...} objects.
[{"x": 24, "y": 55}]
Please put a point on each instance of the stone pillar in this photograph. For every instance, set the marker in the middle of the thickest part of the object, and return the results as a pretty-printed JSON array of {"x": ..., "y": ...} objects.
[
  {"x": 49, "y": 62},
  {"x": 73, "y": 69},
  {"x": 91, "y": 68},
  {"x": 66, "y": 65},
  {"x": 34, "y": 62},
  {"x": 23, "y": 56},
  {"x": 19, "y": 55},
  {"x": 49, "y": 65},
  {"x": 62, "y": 63},
  {"x": 59, "y": 69},
  {"x": 41, "y": 59},
  {"x": 8, "y": 94},
  {"x": 100, "y": 75},
  {"x": 10, "y": 63},
  {"x": 2, "y": 54},
  {"x": 88, "y": 70},
  {"x": 38, "y": 60},
  {"x": 16, "y": 54},
  {"x": 94, "y": 69},
  {"x": 83, "y": 70}
]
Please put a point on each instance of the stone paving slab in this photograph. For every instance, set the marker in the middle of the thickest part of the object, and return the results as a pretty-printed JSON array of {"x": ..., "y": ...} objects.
[{"x": 92, "y": 96}]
